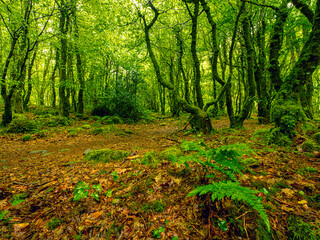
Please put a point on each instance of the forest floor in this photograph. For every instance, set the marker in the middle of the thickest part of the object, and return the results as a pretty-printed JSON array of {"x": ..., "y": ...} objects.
[{"x": 136, "y": 200}]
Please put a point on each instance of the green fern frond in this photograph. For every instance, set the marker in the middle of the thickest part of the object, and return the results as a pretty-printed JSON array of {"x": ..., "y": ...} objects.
[
  {"x": 187, "y": 146},
  {"x": 233, "y": 190}
]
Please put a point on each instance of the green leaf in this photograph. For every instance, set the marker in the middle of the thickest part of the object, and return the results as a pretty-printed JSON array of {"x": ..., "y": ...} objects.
[
  {"x": 264, "y": 191},
  {"x": 175, "y": 238},
  {"x": 109, "y": 193},
  {"x": 115, "y": 175},
  {"x": 95, "y": 195},
  {"x": 17, "y": 201},
  {"x": 161, "y": 229},
  {"x": 3, "y": 213},
  {"x": 223, "y": 225},
  {"x": 79, "y": 195},
  {"x": 97, "y": 187},
  {"x": 156, "y": 233}
]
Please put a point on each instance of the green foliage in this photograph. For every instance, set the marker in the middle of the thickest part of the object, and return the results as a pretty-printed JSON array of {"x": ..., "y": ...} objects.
[
  {"x": 281, "y": 110},
  {"x": 316, "y": 137},
  {"x": 115, "y": 175},
  {"x": 22, "y": 125},
  {"x": 114, "y": 120},
  {"x": 120, "y": 102},
  {"x": 157, "y": 232},
  {"x": 224, "y": 159},
  {"x": 309, "y": 128},
  {"x": 73, "y": 132},
  {"x": 81, "y": 190},
  {"x": 45, "y": 111},
  {"x": 300, "y": 230},
  {"x": 261, "y": 131},
  {"x": 307, "y": 170},
  {"x": 169, "y": 153},
  {"x": 286, "y": 115},
  {"x": 309, "y": 146},
  {"x": 3, "y": 214},
  {"x": 219, "y": 190},
  {"x": 106, "y": 155},
  {"x": 26, "y": 137},
  {"x": 55, "y": 121},
  {"x": 276, "y": 136},
  {"x": 19, "y": 198},
  {"x": 156, "y": 206},
  {"x": 54, "y": 223}
]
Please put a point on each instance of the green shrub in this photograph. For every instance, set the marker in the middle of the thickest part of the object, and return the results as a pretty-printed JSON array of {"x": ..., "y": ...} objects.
[
  {"x": 22, "y": 125},
  {"x": 121, "y": 102},
  {"x": 114, "y": 120},
  {"x": 276, "y": 136},
  {"x": 26, "y": 137},
  {"x": 55, "y": 121}
]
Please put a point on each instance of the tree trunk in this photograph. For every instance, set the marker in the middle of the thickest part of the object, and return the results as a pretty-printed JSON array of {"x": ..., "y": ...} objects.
[
  {"x": 261, "y": 78},
  {"x": 287, "y": 112},
  {"x": 197, "y": 73},
  {"x": 64, "y": 22},
  {"x": 200, "y": 122},
  {"x": 29, "y": 87},
  {"x": 276, "y": 44}
]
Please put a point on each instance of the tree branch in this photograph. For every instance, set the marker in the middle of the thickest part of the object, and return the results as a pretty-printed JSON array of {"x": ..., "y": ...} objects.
[{"x": 304, "y": 9}]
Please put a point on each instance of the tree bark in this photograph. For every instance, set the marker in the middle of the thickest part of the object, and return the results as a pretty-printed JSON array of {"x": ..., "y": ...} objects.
[
  {"x": 64, "y": 22},
  {"x": 200, "y": 120}
]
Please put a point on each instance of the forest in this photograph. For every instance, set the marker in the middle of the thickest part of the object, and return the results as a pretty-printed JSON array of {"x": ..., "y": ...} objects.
[{"x": 149, "y": 119}]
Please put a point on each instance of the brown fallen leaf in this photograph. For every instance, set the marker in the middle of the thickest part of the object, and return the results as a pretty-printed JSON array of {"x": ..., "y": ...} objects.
[{"x": 18, "y": 229}]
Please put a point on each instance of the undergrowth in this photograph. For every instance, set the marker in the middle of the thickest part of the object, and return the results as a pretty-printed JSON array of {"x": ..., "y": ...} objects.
[{"x": 223, "y": 160}]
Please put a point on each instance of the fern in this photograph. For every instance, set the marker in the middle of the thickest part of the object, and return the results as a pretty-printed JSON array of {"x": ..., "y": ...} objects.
[
  {"x": 234, "y": 191},
  {"x": 224, "y": 159}
]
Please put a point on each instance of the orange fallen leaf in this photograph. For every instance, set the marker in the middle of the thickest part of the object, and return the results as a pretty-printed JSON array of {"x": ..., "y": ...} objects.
[{"x": 96, "y": 215}]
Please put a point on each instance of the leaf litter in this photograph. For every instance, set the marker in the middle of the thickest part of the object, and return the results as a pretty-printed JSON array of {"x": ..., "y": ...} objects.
[{"x": 126, "y": 199}]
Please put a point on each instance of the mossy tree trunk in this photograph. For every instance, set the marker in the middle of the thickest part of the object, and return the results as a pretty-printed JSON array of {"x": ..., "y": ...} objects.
[
  {"x": 298, "y": 78},
  {"x": 6, "y": 93},
  {"x": 180, "y": 66},
  {"x": 276, "y": 44},
  {"x": 236, "y": 121},
  {"x": 63, "y": 26},
  {"x": 26, "y": 98},
  {"x": 200, "y": 120},
  {"x": 196, "y": 62},
  {"x": 215, "y": 55},
  {"x": 264, "y": 101}
]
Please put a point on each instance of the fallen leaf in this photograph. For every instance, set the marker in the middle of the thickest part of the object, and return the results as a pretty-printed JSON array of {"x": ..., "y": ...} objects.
[
  {"x": 96, "y": 215},
  {"x": 288, "y": 192},
  {"x": 303, "y": 202}
]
